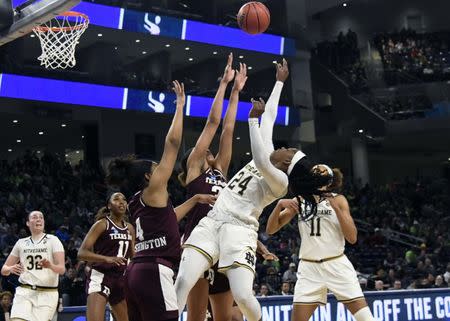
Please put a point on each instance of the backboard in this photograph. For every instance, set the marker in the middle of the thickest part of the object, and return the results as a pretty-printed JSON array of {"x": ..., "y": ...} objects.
[{"x": 30, "y": 14}]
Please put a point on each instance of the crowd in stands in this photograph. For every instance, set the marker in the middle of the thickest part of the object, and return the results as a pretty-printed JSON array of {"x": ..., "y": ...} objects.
[
  {"x": 69, "y": 197},
  {"x": 425, "y": 56},
  {"x": 343, "y": 57},
  {"x": 408, "y": 57},
  {"x": 397, "y": 108}
]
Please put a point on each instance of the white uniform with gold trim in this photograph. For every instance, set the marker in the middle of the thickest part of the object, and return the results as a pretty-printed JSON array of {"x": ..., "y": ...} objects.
[
  {"x": 322, "y": 239},
  {"x": 38, "y": 299},
  {"x": 229, "y": 233}
]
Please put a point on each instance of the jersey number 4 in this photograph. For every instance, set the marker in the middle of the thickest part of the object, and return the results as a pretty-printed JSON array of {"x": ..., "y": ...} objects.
[{"x": 240, "y": 182}]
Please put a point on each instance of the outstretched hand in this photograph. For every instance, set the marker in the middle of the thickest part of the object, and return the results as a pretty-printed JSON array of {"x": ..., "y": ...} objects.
[
  {"x": 241, "y": 77},
  {"x": 179, "y": 91},
  {"x": 229, "y": 72},
  {"x": 206, "y": 199},
  {"x": 282, "y": 71},
  {"x": 258, "y": 108}
]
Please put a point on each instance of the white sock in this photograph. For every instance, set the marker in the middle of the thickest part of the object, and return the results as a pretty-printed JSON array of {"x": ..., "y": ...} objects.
[
  {"x": 241, "y": 284},
  {"x": 193, "y": 265},
  {"x": 364, "y": 314}
]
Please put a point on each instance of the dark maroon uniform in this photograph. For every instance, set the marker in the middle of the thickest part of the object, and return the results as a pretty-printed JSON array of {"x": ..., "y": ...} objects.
[
  {"x": 149, "y": 278},
  {"x": 210, "y": 182},
  {"x": 108, "y": 279}
]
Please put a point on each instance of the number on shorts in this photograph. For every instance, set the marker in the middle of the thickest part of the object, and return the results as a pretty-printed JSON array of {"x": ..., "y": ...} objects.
[
  {"x": 139, "y": 230},
  {"x": 123, "y": 248},
  {"x": 241, "y": 182},
  {"x": 317, "y": 227},
  {"x": 33, "y": 262}
]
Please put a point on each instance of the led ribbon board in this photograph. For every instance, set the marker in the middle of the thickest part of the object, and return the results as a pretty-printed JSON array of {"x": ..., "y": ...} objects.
[{"x": 84, "y": 94}]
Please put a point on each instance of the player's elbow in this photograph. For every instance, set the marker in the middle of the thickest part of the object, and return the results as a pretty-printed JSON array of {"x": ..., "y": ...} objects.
[
  {"x": 4, "y": 271},
  {"x": 62, "y": 270},
  {"x": 80, "y": 255},
  {"x": 270, "y": 230},
  {"x": 352, "y": 239},
  {"x": 213, "y": 121}
]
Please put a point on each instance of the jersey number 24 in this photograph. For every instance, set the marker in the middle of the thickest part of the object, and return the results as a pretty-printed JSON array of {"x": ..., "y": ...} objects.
[{"x": 240, "y": 183}]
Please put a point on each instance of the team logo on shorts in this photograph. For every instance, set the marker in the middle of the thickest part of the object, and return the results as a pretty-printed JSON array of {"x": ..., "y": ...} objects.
[{"x": 250, "y": 258}]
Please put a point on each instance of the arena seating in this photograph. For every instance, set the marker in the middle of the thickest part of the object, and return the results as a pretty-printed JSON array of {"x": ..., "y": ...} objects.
[{"x": 69, "y": 197}]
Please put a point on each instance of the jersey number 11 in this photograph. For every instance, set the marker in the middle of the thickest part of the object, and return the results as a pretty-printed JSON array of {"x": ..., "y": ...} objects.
[{"x": 315, "y": 227}]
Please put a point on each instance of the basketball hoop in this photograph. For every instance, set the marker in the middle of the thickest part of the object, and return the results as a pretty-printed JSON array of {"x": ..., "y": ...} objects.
[{"x": 59, "y": 38}]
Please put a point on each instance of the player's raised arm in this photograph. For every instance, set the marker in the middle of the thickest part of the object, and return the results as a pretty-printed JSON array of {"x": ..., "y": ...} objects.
[
  {"x": 197, "y": 156},
  {"x": 270, "y": 115},
  {"x": 283, "y": 213},
  {"x": 276, "y": 179},
  {"x": 223, "y": 157},
  {"x": 156, "y": 192}
]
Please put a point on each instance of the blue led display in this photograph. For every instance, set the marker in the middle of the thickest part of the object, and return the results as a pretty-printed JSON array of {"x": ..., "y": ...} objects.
[
  {"x": 59, "y": 91},
  {"x": 151, "y": 101},
  {"x": 234, "y": 38},
  {"x": 69, "y": 92},
  {"x": 200, "y": 106},
  {"x": 153, "y": 24}
]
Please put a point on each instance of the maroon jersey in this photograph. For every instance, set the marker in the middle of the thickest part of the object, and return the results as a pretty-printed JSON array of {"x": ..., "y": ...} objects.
[
  {"x": 114, "y": 241},
  {"x": 210, "y": 182},
  {"x": 157, "y": 232}
]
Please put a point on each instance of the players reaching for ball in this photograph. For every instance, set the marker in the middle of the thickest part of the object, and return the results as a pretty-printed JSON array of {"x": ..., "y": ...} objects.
[
  {"x": 204, "y": 173},
  {"x": 324, "y": 227},
  {"x": 38, "y": 260},
  {"x": 149, "y": 285},
  {"x": 228, "y": 235},
  {"x": 107, "y": 247}
]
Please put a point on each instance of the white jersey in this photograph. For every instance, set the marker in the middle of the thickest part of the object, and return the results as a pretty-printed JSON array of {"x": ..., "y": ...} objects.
[
  {"x": 321, "y": 237},
  {"x": 242, "y": 201},
  {"x": 30, "y": 253}
]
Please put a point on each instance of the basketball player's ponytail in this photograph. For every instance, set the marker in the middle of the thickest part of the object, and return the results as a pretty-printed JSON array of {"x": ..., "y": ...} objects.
[
  {"x": 338, "y": 180},
  {"x": 183, "y": 175},
  {"x": 101, "y": 213},
  {"x": 128, "y": 173}
]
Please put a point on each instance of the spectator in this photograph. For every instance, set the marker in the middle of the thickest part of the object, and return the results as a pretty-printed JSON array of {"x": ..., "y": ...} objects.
[
  {"x": 6, "y": 303},
  {"x": 264, "y": 291},
  {"x": 379, "y": 285},
  {"x": 291, "y": 274},
  {"x": 286, "y": 288},
  {"x": 439, "y": 282},
  {"x": 397, "y": 285}
]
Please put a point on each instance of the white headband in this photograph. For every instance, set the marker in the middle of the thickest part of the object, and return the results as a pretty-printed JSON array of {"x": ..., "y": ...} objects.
[
  {"x": 328, "y": 168},
  {"x": 297, "y": 156}
]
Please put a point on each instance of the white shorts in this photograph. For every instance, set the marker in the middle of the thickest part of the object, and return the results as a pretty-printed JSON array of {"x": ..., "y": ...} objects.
[
  {"x": 230, "y": 245},
  {"x": 33, "y": 305},
  {"x": 314, "y": 279}
]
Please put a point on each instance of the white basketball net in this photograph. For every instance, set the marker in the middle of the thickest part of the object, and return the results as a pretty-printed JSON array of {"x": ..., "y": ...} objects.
[{"x": 59, "y": 38}]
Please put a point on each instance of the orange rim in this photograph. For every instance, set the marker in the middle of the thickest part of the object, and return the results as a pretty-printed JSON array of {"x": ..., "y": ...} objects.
[{"x": 67, "y": 14}]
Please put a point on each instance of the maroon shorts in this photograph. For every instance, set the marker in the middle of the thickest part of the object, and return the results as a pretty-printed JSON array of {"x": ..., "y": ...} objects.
[
  {"x": 110, "y": 285},
  {"x": 218, "y": 282},
  {"x": 150, "y": 292}
]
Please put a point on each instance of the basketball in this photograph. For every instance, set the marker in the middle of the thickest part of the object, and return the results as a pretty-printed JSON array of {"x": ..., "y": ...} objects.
[{"x": 253, "y": 18}]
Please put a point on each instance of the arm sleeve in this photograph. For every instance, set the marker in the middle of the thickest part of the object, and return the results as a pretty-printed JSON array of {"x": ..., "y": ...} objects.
[
  {"x": 270, "y": 115},
  {"x": 16, "y": 250},
  {"x": 276, "y": 179},
  {"x": 57, "y": 245}
]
